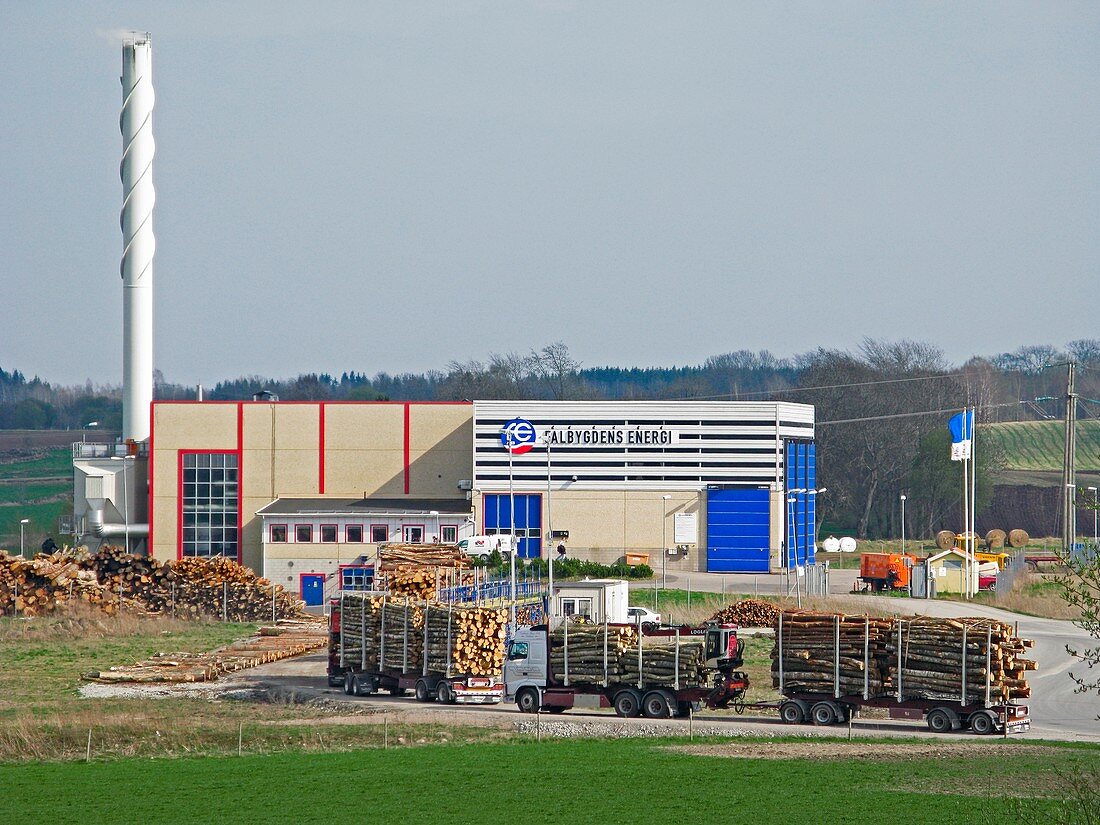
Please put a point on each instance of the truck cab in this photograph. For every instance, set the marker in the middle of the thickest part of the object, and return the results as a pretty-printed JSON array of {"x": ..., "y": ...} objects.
[{"x": 525, "y": 662}]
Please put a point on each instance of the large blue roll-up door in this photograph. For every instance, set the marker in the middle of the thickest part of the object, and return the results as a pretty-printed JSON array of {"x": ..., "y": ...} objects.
[{"x": 738, "y": 530}]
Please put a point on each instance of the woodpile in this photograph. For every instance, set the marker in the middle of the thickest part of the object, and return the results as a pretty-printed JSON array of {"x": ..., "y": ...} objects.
[
  {"x": 748, "y": 613},
  {"x": 609, "y": 655},
  {"x": 955, "y": 659},
  {"x": 112, "y": 579},
  {"x": 939, "y": 659},
  {"x": 270, "y": 645},
  {"x": 392, "y": 634},
  {"x": 823, "y": 652},
  {"x": 419, "y": 571}
]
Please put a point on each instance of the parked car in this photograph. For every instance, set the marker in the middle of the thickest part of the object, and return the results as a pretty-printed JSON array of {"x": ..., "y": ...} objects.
[{"x": 643, "y": 616}]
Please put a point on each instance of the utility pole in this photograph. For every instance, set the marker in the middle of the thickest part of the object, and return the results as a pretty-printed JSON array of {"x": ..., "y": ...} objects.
[{"x": 1069, "y": 464}]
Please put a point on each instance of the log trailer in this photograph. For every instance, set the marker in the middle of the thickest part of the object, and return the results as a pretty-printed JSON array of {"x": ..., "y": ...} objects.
[
  {"x": 354, "y": 674},
  {"x": 530, "y": 681},
  {"x": 971, "y": 707}
]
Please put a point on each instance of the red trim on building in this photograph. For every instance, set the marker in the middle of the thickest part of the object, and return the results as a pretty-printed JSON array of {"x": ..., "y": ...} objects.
[
  {"x": 405, "y": 535},
  {"x": 385, "y": 527},
  {"x": 286, "y": 533},
  {"x": 310, "y": 526},
  {"x": 321, "y": 448},
  {"x": 301, "y": 576},
  {"x": 240, "y": 483},
  {"x": 149, "y": 483},
  {"x": 335, "y": 533},
  {"x": 179, "y": 503},
  {"x": 406, "y": 448},
  {"x": 362, "y": 534}
]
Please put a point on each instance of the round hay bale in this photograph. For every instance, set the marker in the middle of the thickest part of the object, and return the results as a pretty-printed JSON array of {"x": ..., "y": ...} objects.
[
  {"x": 945, "y": 539},
  {"x": 995, "y": 539},
  {"x": 1018, "y": 538}
]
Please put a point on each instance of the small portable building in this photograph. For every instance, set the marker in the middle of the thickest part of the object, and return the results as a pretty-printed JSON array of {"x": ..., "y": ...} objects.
[
  {"x": 597, "y": 600},
  {"x": 948, "y": 572}
]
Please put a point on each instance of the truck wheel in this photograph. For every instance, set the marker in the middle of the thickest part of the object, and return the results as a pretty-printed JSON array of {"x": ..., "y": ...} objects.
[
  {"x": 443, "y": 694},
  {"x": 358, "y": 688},
  {"x": 421, "y": 691},
  {"x": 655, "y": 705},
  {"x": 982, "y": 722},
  {"x": 348, "y": 685},
  {"x": 627, "y": 703},
  {"x": 527, "y": 700},
  {"x": 824, "y": 713},
  {"x": 939, "y": 721},
  {"x": 793, "y": 713}
]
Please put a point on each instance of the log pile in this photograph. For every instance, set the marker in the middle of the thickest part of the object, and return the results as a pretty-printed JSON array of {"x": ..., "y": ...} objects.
[
  {"x": 810, "y": 654},
  {"x": 418, "y": 570},
  {"x": 270, "y": 645},
  {"x": 936, "y": 655},
  {"x": 748, "y": 613},
  {"x": 390, "y": 635},
  {"x": 586, "y": 656},
  {"x": 939, "y": 659},
  {"x": 111, "y": 578}
]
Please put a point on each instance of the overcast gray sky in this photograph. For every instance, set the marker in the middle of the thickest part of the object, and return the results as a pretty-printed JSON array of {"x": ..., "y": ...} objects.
[{"x": 389, "y": 186}]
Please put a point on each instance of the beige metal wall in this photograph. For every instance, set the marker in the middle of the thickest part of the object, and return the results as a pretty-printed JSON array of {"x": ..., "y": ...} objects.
[
  {"x": 603, "y": 524},
  {"x": 280, "y": 447}
]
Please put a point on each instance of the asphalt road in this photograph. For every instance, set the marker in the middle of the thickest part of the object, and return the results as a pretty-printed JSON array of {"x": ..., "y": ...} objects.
[{"x": 1057, "y": 710}]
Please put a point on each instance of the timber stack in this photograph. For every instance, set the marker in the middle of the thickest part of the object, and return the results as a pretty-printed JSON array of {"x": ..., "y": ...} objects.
[
  {"x": 819, "y": 650},
  {"x": 112, "y": 579},
  {"x": 950, "y": 658},
  {"x": 666, "y": 663},
  {"x": 389, "y": 634},
  {"x": 748, "y": 613},
  {"x": 420, "y": 570},
  {"x": 920, "y": 658},
  {"x": 585, "y": 646}
]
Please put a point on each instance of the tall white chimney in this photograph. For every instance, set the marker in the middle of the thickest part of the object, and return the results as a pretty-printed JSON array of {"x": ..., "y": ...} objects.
[{"x": 138, "y": 197}]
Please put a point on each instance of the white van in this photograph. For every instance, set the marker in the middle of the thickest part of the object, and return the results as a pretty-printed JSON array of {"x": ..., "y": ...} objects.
[{"x": 483, "y": 546}]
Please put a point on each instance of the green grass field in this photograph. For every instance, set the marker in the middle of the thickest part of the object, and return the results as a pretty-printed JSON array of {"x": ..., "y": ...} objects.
[
  {"x": 624, "y": 781},
  {"x": 54, "y": 462},
  {"x": 40, "y": 501},
  {"x": 1037, "y": 445}
]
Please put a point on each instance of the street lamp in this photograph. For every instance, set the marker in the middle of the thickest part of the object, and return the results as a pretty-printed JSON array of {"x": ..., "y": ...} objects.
[
  {"x": 22, "y": 524},
  {"x": 902, "y": 497},
  {"x": 664, "y": 541},
  {"x": 86, "y": 426}
]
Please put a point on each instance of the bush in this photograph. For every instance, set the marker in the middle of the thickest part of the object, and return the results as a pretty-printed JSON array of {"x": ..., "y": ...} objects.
[{"x": 576, "y": 569}]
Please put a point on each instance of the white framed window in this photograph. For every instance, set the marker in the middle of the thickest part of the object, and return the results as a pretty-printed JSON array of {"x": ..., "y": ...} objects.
[
  {"x": 577, "y": 607},
  {"x": 448, "y": 533}
]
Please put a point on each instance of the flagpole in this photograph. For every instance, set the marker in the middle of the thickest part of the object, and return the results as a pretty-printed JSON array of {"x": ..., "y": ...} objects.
[
  {"x": 974, "y": 484},
  {"x": 965, "y": 514}
]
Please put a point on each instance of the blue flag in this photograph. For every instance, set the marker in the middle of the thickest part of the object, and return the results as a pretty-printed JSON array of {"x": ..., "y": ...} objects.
[{"x": 962, "y": 434}]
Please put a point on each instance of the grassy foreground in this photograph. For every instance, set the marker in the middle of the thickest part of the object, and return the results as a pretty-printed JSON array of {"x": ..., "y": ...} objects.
[{"x": 580, "y": 781}]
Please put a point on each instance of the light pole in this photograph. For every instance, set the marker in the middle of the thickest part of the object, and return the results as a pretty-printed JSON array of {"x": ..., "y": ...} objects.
[
  {"x": 86, "y": 426},
  {"x": 664, "y": 541},
  {"x": 902, "y": 497},
  {"x": 22, "y": 525},
  {"x": 1095, "y": 537}
]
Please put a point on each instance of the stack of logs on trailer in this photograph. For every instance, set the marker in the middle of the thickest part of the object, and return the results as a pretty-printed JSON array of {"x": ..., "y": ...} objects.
[
  {"x": 602, "y": 655},
  {"x": 966, "y": 659},
  {"x": 380, "y": 634},
  {"x": 110, "y": 578}
]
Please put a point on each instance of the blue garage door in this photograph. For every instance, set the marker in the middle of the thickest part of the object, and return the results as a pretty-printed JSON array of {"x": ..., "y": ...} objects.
[
  {"x": 801, "y": 474},
  {"x": 528, "y": 509},
  {"x": 738, "y": 530}
]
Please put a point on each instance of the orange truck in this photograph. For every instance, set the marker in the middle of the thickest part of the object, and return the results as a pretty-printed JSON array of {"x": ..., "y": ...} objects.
[{"x": 886, "y": 571}]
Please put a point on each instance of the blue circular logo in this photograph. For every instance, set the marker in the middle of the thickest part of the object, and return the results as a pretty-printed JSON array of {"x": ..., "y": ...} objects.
[{"x": 518, "y": 436}]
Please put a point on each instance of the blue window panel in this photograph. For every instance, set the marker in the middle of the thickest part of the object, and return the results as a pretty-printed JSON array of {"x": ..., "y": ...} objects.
[
  {"x": 528, "y": 509},
  {"x": 738, "y": 530}
]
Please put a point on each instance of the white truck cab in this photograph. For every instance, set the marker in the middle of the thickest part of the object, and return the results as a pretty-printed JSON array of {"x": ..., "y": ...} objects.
[{"x": 526, "y": 662}]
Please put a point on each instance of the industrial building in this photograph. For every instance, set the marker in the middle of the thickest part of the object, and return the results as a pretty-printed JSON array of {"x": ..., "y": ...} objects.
[{"x": 306, "y": 491}]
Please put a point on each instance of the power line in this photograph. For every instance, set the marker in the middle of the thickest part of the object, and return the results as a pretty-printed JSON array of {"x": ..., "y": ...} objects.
[{"x": 912, "y": 414}]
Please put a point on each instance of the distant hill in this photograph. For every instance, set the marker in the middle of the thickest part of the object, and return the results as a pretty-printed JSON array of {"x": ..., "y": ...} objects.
[{"x": 1037, "y": 445}]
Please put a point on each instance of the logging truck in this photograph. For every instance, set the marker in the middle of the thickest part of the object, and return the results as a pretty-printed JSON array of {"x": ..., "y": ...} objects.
[
  {"x": 359, "y": 662},
  {"x": 695, "y": 666}
]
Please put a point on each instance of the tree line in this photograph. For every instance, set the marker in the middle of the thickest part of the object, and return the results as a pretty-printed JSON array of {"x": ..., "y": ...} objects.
[{"x": 881, "y": 408}]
